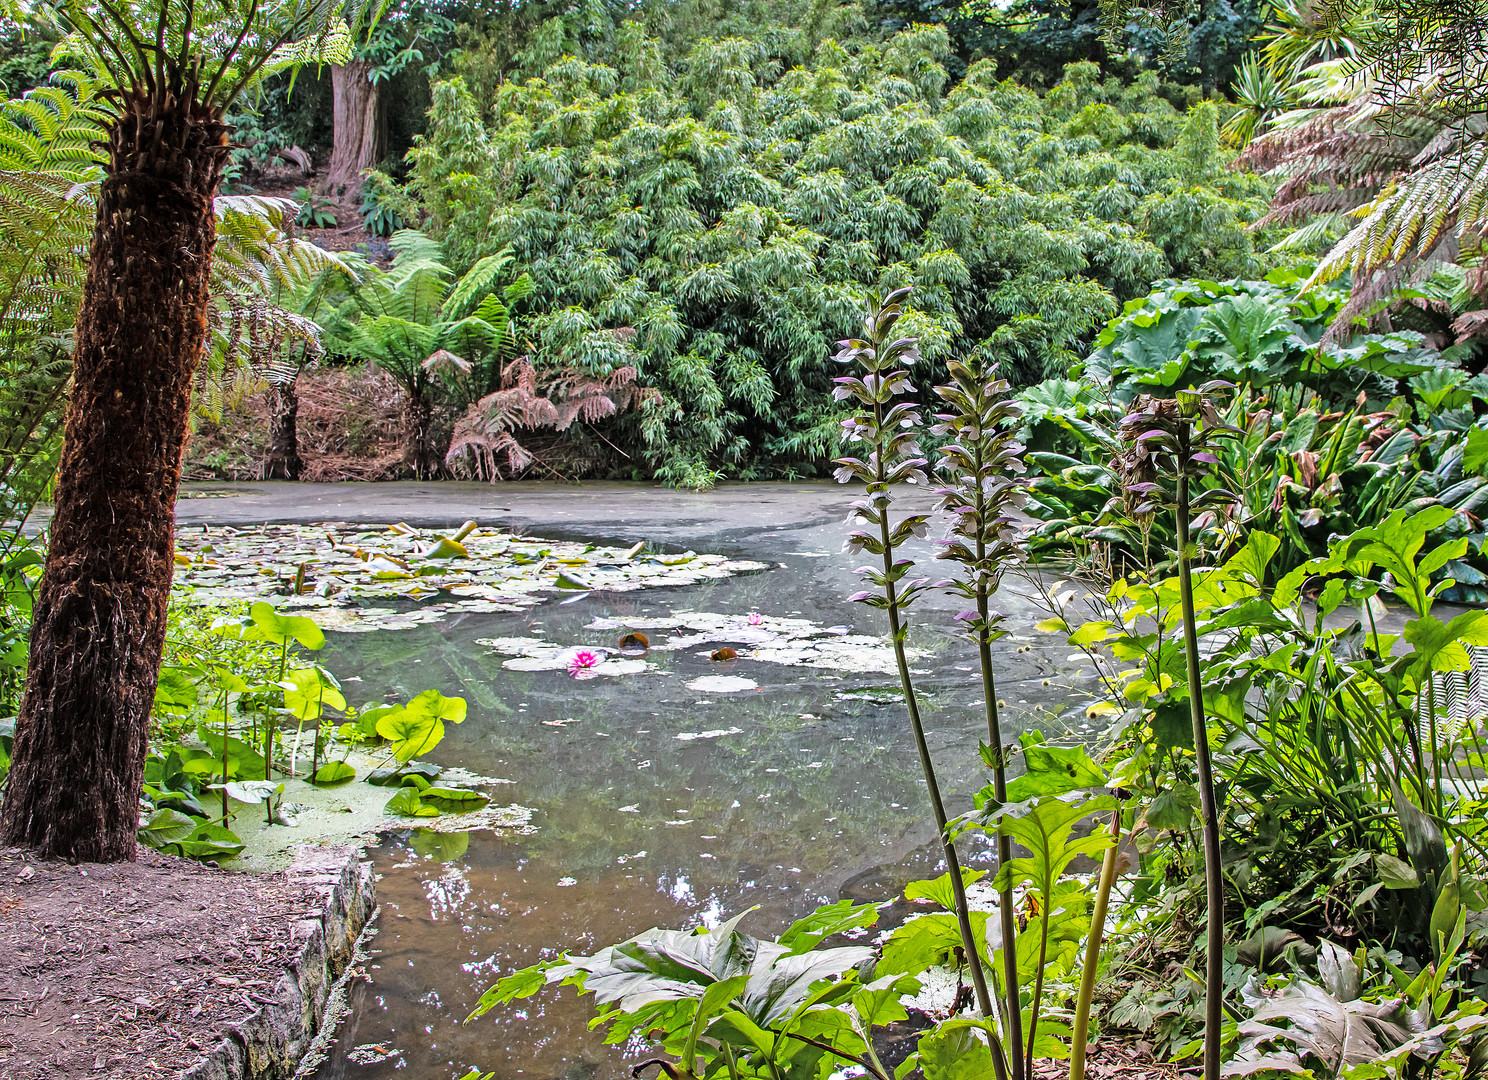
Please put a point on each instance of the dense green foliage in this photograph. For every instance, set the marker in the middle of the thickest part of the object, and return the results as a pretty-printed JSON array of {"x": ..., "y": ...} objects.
[
  {"x": 1032, "y": 40},
  {"x": 686, "y": 222},
  {"x": 716, "y": 224},
  {"x": 1334, "y": 437},
  {"x": 1347, "y": 790}
]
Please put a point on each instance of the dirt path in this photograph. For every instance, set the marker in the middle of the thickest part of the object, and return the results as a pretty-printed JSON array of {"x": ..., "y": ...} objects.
[{"x": 130, "y": 970}]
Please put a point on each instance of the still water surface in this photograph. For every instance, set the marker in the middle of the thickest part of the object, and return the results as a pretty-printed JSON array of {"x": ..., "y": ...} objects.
[{"x": 817, "y": 797}]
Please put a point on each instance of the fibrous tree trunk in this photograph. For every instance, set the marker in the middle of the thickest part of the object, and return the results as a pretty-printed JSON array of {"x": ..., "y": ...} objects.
[
  {"x": 282, "y": 451},
  {"x": 419, "y": 451},
  {"x": 99, "y": 623},
  {"x": 359, "y": 127}
]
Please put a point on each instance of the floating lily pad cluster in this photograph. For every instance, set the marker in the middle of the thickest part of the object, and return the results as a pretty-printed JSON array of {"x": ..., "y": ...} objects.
[
  {"x": 771, "y": 640},
  {"x": 344, "y": 572}
]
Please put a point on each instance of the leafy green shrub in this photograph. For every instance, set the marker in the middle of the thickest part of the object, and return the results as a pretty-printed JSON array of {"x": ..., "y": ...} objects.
[
  {"x": 1333, "y": 436},
  {"x": 1252, "y": 333},
  {"x": 1347, "y": 771},
  {"x": 316, "y": 211},
  {"x": 383, "y": 205},
  {"x": 717, "y": 223}
]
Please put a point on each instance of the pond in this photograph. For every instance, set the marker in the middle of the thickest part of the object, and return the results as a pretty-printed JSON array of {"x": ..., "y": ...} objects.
[{"x": 655, "y": 802}]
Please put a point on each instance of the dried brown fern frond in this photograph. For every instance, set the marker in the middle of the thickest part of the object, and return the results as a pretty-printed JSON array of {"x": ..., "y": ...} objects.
[
  {"x": 1392, "y": 164},
  {"x": 532, "y": 400},
  {"x": 1471, "y": 325}
]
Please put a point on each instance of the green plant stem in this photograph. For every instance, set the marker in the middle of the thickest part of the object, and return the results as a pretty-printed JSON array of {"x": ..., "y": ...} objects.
[
  {"x": 1214, "y": 883},
  {"x": 1081, "y": 1034},
  {"x": 1436, "y": 770},
  {"x": 268, "y": 756},
  {"x": 224, "y": 756},
  {"x": 937, "y": 805},
  {"x": 1012, "y": 1005},
  {"x": 927, "y": 765},
  {"x": 269, "y": 737},
  {"x": 1038, "y": 980}
]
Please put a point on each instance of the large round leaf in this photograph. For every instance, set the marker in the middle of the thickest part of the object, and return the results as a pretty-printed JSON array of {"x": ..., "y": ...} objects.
[
  {"x": 309, "y": 691},
  {"x": 272, "y": 626},
  {"x": 454, "y": 800},
  {"x": 406, "y": 803},
  {"x": 433, "y": 703},
  {"x": 410, "y": 733},
  {"x": 164, "y": 826},
  {"x": 334, "y": 772},
  {"x": 208, "y": 842}
]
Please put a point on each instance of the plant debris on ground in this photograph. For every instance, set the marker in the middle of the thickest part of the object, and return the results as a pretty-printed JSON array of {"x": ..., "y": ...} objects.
[{"x": 129, "y": 971}]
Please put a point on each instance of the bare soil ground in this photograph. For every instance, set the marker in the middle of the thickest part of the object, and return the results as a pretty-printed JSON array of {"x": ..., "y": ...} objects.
[
  {"x": 348, "y": 234},
  {"x": 130, "y": 970}
]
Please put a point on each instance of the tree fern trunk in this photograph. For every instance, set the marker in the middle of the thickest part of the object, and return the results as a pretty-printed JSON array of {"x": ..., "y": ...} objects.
[
  {"x": 99, "y": 623},
  {"x": 282, "y": 451},
  {"x": 419, "y": 452}
]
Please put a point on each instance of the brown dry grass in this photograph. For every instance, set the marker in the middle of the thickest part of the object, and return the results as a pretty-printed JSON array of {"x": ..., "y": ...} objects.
[{"x": 349, "y": 422}]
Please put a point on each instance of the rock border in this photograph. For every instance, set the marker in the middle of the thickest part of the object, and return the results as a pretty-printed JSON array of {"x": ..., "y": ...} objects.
[{"x": 268, "y": 1043}]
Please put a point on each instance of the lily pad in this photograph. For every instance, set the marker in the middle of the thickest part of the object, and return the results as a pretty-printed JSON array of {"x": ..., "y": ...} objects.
[
  {"x": 455, "y": 800},
  {"x": 334, "y": 772},
  {"x": 342, "y": 571},
  {"x": 722, "y": 684}
]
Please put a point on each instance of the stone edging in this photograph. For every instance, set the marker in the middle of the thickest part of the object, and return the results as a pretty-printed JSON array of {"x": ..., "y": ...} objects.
[{"x": 269, "y": 1042}]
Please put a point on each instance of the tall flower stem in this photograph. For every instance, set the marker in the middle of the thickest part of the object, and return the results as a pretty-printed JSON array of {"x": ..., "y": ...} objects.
[
  {"x": 982, "y": 464},
  {"x": 937, "y": 805},
  {"x": 1177, "y": 438},
  {"x": 890, "y": 428},
  {"x": 1208, "y": 811},
  {"x": 1012, "y": 1000}
]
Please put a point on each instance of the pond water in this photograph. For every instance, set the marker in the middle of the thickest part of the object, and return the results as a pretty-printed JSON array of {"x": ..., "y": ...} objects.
[{"x": 657, "y": 804}]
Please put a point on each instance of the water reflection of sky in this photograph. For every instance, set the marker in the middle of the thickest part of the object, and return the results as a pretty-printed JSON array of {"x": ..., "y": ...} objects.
[{"x": 817, "y": 796}]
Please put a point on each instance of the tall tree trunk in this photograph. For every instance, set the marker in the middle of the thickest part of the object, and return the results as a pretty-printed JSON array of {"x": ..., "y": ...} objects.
[
  {"x": 99, "y": 622},
  {"x": 282, "y": 451},
  {"x": 359, "y": 127}
]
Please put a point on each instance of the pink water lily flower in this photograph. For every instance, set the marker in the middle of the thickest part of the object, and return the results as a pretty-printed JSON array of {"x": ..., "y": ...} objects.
[
  {"x": 755, "y": 618},
  {"x": 582, "y": 663}
]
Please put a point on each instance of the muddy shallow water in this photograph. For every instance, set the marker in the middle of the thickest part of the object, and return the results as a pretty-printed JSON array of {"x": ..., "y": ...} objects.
[{"x": 657, "y": 804}]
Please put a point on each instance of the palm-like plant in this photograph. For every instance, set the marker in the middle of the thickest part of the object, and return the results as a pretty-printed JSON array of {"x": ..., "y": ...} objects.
[
  {"x": 279, "y": 287},
  {"x": 1386, "y": 155},
  {"x": 172, "y": 69},
  {"x": 423, "y": 327},
  {"x": 1305, "y": 32},
  {"x": 48, "y": 199},
  {"x": 1262, "y": 95},
  {"x": 46, "y": 168}
]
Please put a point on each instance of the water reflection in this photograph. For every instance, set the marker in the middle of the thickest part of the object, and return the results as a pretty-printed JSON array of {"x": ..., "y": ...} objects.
[{"x": 802, "y": 792}]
